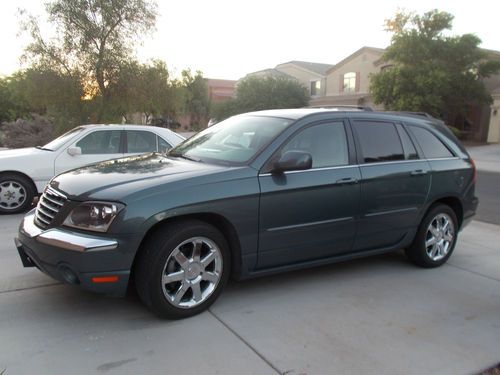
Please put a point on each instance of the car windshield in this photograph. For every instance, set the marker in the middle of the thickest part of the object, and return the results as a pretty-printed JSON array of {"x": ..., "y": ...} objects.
[
  {"x": 61, "y": 140},
  {"x": 234, "y": 141}
]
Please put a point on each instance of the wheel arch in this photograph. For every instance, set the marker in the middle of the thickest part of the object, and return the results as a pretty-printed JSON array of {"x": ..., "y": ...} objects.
[
  {"x": 2, "y": 173},
  {"x": 454, "y": 203},
  {"x": 218, "y": 221}
]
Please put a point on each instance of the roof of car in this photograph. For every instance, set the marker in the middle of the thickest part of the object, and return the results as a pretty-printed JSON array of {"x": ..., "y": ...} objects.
[{"x": 297, "y": 113}]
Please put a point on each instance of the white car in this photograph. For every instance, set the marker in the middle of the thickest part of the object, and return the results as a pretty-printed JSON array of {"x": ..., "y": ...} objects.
[{"x": 24, "y": 172}]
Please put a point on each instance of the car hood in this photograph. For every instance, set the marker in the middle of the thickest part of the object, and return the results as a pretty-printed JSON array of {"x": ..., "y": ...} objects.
[
  {"x": 22, "y": 152},
  {"x": 115, "y": 179}
]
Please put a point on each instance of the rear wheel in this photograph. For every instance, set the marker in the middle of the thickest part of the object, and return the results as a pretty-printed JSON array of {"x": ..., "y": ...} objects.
[
  {"x": 435, "y": 239},
  {"x": 16, "y": 193},
  {"x": 182, "y": 270}
]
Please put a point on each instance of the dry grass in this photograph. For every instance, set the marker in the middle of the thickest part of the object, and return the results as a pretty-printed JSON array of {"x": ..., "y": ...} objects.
[{"x": 495, "y": 370}]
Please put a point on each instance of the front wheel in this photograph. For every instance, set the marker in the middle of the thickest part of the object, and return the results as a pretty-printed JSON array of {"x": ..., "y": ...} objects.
[
  {"x": 182, "y": 270},
  {"x": 16, "y": 193},
  {"x": 435, "y": 239}
]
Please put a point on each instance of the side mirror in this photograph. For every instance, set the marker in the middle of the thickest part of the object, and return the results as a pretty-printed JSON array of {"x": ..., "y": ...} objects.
[
  {"x": 293, "y": 161},
  {"x": 73, "y": 151}
]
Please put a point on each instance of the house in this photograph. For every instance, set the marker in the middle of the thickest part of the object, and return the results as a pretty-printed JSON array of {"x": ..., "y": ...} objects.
[
  {"x": 348, "y": 83},
  {"x": 220, "y": 89}
]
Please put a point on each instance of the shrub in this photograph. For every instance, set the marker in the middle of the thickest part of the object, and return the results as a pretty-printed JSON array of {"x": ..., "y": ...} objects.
[{"x": 27, "y": 132}]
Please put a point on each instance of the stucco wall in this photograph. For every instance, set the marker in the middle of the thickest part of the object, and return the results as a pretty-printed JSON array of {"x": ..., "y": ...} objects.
[
  {"x": 363, "y": 64},
  {"x": 303, "y": 76},
  {"x": 494, "y": 128}
]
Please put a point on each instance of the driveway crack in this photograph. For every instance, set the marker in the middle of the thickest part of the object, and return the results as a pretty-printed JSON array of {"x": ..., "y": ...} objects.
[{"x": 250, "y": 346}]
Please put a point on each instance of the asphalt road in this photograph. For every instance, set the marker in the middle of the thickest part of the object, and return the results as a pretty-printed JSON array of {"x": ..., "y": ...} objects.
[{"x": 488, "y": 192}]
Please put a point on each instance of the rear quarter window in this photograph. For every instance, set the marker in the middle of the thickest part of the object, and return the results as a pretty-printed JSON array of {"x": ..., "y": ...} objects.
[{"x": 431, "y": 145}]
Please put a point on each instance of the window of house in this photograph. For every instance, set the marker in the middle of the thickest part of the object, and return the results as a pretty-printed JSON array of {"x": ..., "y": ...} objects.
[
  {"x": 379, "y": 141},
  {"x": 315, "y": 88},
  {"x": 100, "y": 142},
  {"x": 327, "y": 144},
  {"x": 350, "y": 82},
  {"x": 140, "y": 141},
  {"x": 431, "y": 146}
]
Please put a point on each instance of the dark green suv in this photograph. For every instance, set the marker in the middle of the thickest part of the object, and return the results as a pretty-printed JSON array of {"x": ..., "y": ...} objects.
[{"x": 256, "y": 194}]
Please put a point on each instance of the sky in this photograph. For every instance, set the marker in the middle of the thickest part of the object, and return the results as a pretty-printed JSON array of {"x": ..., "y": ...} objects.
[{"x": 227, "y": 39}]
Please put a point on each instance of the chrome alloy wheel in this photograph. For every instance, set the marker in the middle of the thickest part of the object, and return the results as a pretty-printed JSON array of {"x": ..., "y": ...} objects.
[
  {"x": 12, "y": 195},
  {"x": 439, "y": 237},
  {"x": 192, "y": 272}
]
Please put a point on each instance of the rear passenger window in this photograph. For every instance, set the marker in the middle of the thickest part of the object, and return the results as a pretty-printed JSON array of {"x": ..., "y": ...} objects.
[
  {"x": 140, "y": 141},
  {"x": 379, "y": 141},
  {"x": 432, "y": 147}
]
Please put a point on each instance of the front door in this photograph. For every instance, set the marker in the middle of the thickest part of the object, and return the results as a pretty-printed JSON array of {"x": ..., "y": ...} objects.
[
  {"x": 308, "y": 215},
  {"x": 96, "y": 146}
]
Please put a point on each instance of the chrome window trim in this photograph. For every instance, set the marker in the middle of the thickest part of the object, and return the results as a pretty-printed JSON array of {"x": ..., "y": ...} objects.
[
  {"x": 314, "y": 169},
  {"x": 364, "y": 165}
]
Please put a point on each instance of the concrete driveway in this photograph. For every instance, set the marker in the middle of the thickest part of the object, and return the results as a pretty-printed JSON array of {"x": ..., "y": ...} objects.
[{"x": 376, "y": 315}]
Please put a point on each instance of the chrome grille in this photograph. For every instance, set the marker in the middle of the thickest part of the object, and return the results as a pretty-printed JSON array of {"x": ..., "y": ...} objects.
[{"x": 48, "y": 206}]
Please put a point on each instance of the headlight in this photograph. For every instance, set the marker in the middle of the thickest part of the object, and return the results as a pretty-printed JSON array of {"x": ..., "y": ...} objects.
[{"x": 95, "y": 216}]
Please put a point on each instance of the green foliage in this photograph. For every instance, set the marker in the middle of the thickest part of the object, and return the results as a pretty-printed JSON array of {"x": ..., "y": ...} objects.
[
  {"x": 260, "y": 93},
  {"x": 147, "y": 89},
  {"x": 94, "y": 39},
  {"x": 27, "y": 133},
  {"x": 196, "y": 102},
  {"x": 13, "y": 104},
  {"x": 429, "y": 71}
]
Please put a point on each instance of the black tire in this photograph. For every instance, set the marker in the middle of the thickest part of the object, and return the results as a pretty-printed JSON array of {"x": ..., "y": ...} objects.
[
  {"x": 157, "y": 254},
  {"x": 418, "y": 252},
  {"x": 16, "y": 193}
]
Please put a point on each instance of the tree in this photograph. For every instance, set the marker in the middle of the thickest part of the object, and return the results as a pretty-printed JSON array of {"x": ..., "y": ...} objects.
[
  {"x": 12, "y": 101},
  {"x": 94, "y": 39},
  {"x": 258, "y": 93},
  {"x": 429, "y": 71},
  {"x": 196, "y": 103}
]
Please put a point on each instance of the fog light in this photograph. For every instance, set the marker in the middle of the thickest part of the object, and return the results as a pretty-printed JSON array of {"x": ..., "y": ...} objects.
[{"x": 68, "y": 275}]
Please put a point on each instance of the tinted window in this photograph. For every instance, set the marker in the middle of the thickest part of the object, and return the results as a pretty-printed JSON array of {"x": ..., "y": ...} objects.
[
  {"x": 100, "y": 142},
  {"x": 140, "y": 141},
  {"x": 326, "y": 143},
  {"x": 430, "y": 144},
  {"x": 163, "y": 145},
  {"x": 58, "y": 142},
  {"x": 408, "y": 147},
  {"x": 379, "y": 141}
]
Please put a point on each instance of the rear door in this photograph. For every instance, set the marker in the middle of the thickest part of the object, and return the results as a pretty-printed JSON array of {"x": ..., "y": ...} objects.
[
  {"x": 308, "y": 215},
  {"x": 394, "y": 183}
]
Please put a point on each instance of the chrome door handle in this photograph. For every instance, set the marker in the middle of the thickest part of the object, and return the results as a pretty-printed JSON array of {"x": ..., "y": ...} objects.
[
  {"x": 418, "y": 172},
  {"x": 347, "y": 181}
]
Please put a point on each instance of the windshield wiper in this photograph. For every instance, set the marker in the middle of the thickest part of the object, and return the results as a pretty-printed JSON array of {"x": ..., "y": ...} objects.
[
  {"x": 43, "y": 148},
  {"x": 184, "y": 156}
]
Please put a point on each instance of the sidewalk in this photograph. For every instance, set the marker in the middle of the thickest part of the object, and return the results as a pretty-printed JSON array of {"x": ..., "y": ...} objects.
[{"x": 487, "y": 157}]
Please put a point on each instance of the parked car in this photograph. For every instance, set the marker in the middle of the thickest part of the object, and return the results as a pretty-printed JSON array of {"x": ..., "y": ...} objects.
[
  {"x": 24, "y": 172},
  {"x": 256, "y": 194}
]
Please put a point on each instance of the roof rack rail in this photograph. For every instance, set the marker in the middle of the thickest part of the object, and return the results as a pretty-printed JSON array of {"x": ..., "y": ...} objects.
[{"x": 346, "y": 107}]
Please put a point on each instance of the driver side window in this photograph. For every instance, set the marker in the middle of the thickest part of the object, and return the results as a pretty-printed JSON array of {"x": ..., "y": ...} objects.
[{"x": 327, "y": 144}]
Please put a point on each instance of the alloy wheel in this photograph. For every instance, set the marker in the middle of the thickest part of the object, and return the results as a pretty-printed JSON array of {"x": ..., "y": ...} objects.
[
  {"x": 192, "y": 272},
  {"x": 439, "y": 237}
]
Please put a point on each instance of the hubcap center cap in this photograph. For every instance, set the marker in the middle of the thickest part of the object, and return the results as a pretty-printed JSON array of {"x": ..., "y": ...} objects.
[
  {"x": 193, "y": 270},
  {"x": 10, "y": 195}
]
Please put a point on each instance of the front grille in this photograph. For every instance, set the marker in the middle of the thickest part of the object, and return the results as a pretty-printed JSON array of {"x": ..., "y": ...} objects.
[{"x": 48, "y": 206}]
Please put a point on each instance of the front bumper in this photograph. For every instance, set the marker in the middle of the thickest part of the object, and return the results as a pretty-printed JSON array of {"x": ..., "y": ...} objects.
[{"x": 99, "y": 263}]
